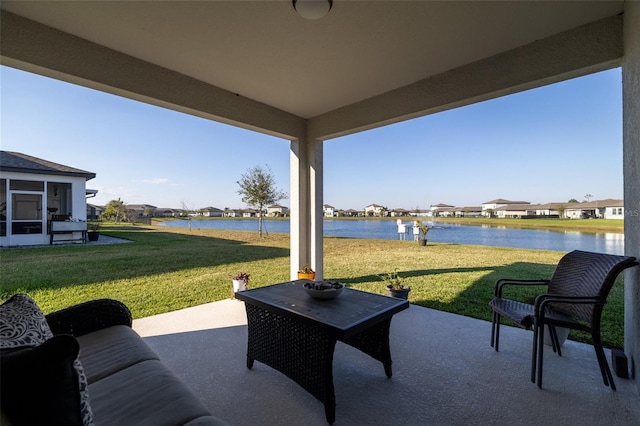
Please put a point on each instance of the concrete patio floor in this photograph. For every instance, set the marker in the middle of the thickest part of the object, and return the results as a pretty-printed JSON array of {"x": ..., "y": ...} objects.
[{"x": 444, "y": 373}]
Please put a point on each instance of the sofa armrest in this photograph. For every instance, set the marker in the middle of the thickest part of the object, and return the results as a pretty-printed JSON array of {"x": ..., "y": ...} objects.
[{"x": 89, "y": 316}]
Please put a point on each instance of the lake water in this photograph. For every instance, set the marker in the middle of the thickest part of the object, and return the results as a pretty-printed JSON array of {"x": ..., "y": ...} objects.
[{"x": 565, "y": 241}]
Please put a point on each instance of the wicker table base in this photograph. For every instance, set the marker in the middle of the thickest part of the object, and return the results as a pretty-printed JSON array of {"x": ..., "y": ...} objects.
[{"x": 303, "y": 349}]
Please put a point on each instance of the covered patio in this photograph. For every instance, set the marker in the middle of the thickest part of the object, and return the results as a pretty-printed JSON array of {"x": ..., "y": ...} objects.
[
  {"x": 444, "y": 373},
  {"x": 260, "y": 66}
]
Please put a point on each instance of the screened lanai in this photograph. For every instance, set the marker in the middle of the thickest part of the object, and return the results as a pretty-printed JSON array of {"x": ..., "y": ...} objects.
[{"x": 259, "y": 65}]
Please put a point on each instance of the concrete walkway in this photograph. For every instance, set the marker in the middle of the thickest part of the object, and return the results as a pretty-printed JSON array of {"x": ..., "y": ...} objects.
[{"x": 445, "y": 373}]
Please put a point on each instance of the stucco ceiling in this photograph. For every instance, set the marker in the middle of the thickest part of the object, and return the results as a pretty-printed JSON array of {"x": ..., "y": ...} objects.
[{"x": 264, "y": 51}]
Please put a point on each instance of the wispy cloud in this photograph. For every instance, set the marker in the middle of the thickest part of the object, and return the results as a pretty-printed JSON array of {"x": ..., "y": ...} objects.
[{"x": 156, "y": 181}]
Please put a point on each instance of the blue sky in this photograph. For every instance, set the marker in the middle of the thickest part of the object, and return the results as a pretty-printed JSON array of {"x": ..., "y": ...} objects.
[{"x": 554, "y": 143}]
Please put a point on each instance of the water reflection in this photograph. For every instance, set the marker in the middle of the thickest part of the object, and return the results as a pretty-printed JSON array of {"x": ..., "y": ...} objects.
[{"x": 605, "y": 242}]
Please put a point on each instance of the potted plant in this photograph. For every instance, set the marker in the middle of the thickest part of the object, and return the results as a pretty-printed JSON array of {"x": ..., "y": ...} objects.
[
  {"x": 306, "y": 273},
  {"x": 424, "y": 229},
  {"x": 93, "y": 231},
  {"x": 395, "y": 285},
  {"x": 240, "y": 281}
]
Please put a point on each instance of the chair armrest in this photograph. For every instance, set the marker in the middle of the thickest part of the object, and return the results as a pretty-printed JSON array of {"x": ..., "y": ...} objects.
[
  {"x": 543, "y": 300},
  {"x": 502, "y": 282},
  {"x": 89, "y": 316}
]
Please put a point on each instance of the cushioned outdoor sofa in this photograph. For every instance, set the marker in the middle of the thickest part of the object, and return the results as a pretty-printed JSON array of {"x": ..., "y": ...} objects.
[{"x": 116, "y": 379}]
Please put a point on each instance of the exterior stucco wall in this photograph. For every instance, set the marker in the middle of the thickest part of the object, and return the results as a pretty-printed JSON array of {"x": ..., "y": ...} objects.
[{"x": 631, "y": 166}]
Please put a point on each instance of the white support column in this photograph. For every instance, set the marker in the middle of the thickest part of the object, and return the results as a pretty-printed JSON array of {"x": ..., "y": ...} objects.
[
  {"x": 631, "y": 169},
  {"x": 306, "y": 206},
  {"x": 300, "y": 206},
  {"x": 316, "y": 154}
]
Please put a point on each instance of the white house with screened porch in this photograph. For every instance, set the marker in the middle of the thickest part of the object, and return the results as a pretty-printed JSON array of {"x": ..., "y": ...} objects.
[{"x": 34, "y": 193}]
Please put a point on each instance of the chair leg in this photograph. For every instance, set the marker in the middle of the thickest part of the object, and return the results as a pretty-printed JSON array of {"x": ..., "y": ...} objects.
[
  {"x": 540, "y": 354},
  {"x": 555, "y": 342},
  {"x": 607, "y": 377},
  {"x": 534, "y": 352},
  {"x": 495, "y": 330}
]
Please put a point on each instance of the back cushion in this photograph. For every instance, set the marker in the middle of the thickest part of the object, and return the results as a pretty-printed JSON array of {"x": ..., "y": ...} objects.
[{"x": 41, "y": 374}]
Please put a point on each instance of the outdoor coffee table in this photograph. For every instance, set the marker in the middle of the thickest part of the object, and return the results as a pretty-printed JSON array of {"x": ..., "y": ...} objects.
[{"x": 296, "y": 334}]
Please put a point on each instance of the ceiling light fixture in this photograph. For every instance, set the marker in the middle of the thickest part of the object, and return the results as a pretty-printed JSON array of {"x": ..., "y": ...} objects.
[{"x": 312, "y": 9}]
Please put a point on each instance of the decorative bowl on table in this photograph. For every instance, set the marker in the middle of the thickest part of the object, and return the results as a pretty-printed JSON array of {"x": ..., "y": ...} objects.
[{"x": 323, "y": 289}]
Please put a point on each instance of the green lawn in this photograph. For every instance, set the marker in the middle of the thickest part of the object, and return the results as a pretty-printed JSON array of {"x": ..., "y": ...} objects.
[{"x": 164, "y": 269}]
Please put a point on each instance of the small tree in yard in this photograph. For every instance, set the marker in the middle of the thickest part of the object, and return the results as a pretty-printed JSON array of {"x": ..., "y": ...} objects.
[
  {"x": 115, "y": 210},
  {"x": 561, "y": 210},
  {"x": 258, "y": 189}
]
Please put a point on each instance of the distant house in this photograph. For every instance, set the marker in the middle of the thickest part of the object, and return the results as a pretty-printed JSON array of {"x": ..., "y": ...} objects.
[
  {"x": 548, "y": 209},
  {"x": 211, "y": 212},
  {"x": 167, "y": 212},
  {"x": 277, "y": 210},
  {"x": 351, "y": 213},
  {"x": 513, "y": 211},
  {"x": 489, "y": 207},
  {"x": 399, "y": 212},
  {"x": 233, "y": 213},
  {"x": 374, "y": 210},
  {"x": 614, "y": 209},
  {"x": 250, "y": 213},
  {"x": 141, "y": 209},
  {"x": 601, "y": 209},
  {"x": 33, "y": 193},
  {"x": 329, "y": 211},
  {"x": 420, "y": 212},
  {"x": 94, "y": 212},
  {"x": 436, "y": 209},
  {"x": 447, "y": 211},
  {"x": 467, "y": 211}
]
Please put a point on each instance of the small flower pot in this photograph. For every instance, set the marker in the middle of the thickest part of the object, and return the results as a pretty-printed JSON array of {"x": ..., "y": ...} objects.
[
  {"x": 239, "y": 285},
  {"x": 422, "y": 242},
  {"x": 93, "y": 235},
  {"x": 308, "y": 276},
  {"x": 402, "y": 293}
]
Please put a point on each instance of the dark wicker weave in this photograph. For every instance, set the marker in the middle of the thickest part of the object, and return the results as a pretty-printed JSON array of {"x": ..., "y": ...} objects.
[
  {"x": 302, "y": 353},
  {"x": 575, "y": 297},
  {"x": 89, "y": 316},
  {"x": 305, "y": 353},
  {"x": 297, "y": 335}
]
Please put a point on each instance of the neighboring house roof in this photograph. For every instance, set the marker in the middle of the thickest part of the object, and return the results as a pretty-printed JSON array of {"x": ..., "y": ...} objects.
[
  {"x": 609, "y": 202},
  {"x": 327, "y": 206},
  {"x": 441, "y": 205},
  {"x": 140, "y": 206},
  {"x": 22, "y": 163},
  {"x": 612, "y": 203},
  {"x": 374, "y": 206},
  {"x": 547, "y": 206},
  {"x": 96, "y": 207},
  {"x": 468, "y": 209},
  {"x": 503, "y": 201},
  {"x": 514, "y": 207}
]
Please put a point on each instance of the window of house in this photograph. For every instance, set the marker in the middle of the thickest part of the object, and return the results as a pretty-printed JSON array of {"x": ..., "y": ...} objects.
[
  {"x": 26, "y": 212},
  {"x": 59, "y": 200},
  {"x": 26, "y": 185}
]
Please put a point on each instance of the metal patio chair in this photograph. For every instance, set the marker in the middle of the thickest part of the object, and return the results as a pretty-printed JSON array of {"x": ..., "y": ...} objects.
[{"x": 574, "y": 299}]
